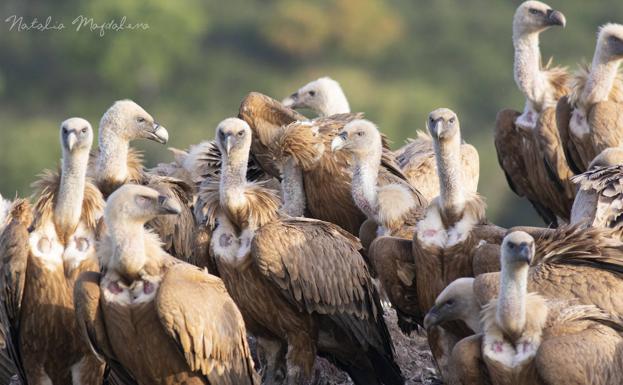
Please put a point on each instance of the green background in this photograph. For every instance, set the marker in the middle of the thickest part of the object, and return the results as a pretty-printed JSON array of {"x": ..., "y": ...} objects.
[{"x": 396, "y": 60}]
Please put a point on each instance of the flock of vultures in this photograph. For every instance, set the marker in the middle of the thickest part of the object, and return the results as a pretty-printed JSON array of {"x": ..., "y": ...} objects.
[{"x": 301, "y": 233}]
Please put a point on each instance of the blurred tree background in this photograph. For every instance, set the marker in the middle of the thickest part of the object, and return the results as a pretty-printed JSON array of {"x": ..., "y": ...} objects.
[{"x": 396, "y": 60}]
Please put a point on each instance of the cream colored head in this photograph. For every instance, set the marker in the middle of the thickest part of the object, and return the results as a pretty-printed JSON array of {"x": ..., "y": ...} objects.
[
  {"x": 517, "y": 250},
  {"x": 455, "y": 302},
  {"x": 443, "y": 124},
  {"x": 129, "y": 121},
  {"x": 535, "y": 16},
  {"x": 136, "y": 204},
  {"x": 233, "y": 138},
  {"x": 76, "y": 135},
  {"x": 360, "y": 137},
  {"x": 610, "y": 42},
  {"x": 609, "y": 157},
  {"x": 324, "y": 96}
]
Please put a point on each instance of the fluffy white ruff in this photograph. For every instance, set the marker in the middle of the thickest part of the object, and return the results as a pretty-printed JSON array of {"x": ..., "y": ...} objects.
[
  {"x": 44, "y": 245},
  {"x": 431, "y": 231},
  {"x": 396, "y": 201}
]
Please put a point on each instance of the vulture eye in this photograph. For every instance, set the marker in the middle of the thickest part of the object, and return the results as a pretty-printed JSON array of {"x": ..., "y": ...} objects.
[
  {"x": 360, "y": 133},
  {"x": 431, "y": 120},
  {"x": 452, "y": 120},
  {"x": 64, "y": 130},
  {"x": 140, "y": 119},
  {"x": 450, "y": 302},
  {"x": 312, "y": 93},
  {"x": 142, "y": 201},
  {"x": 240, "y": 133},
  {"x": 534, "y": 11},
  {"x": 84, "y": 130},
  {"x": 511, "y": 245}
]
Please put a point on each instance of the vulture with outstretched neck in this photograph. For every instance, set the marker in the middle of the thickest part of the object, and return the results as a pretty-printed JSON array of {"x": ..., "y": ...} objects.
[
  {"x": 115, "y": 163},
  {"x": 301, "y": 284},
  {"x": 530, "y": 140},
  {"x": 446, "y": 238},
  {"x": 523, "y": 329},
  {"x": 284, "y": 144},
  {"x": 324, "y": 96},
  {"x": 384, "y": 197},
  {"x": 152, "y": 317},
  {"x": 589, "y": 118},
  {"x": 599, "y": 200},
  {"x": 43, "y": 251}
]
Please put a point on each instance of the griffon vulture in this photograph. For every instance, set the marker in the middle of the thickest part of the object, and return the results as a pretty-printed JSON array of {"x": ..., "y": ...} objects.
[
  {"x": 282, "y": 136},
  {"x": 599, "y": 201},
  {"x": 301, "y": 284},
  {"x": 590, "y": 118},
  {"x": 43, "y": 251},
  {"x": 115, "y": 163},
  {"x": 530, "y": 140},
  {"x": 446, "y": 238},
  {"x": 153, "y": 316},
  {"x": 323, "y": 96},
  {"x": 384, "y": 197},
  {"x": 524, "y": 333}
]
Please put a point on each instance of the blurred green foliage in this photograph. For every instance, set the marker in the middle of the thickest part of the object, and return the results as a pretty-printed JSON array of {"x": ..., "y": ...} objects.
[{"x": 396, "y": 60}]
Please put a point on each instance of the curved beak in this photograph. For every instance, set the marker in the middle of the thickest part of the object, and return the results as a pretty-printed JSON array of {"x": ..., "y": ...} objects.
[
  {"x": 228, "y": 144},
  {"x": 616, "y": 46},
  {"x": 291, "y": 101},
  {"x": 72, "y": 139},
  {"x": 168, "y": 206},
  {"x": 432, "y": 318},
  {"x": 159, "y": 134},
  {"x": 556, "y": 18},
  {"x": 525, "y": 251},
  {"x": 436, "y": 129},
  {"x": 338, "y": 142}
]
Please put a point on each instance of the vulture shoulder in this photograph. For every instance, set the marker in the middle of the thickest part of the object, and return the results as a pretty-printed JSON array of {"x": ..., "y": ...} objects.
[
  {"x": 175, "y": 231},
  {"x": 392, "y": 259},
  {"x": 266, "y": 116},
  {"x": 471, "y": 166},
  {"x": 466, "y": 363},
  {"x": 14, "y": 250},
  {"x": 196, "y": 311},
  {"x": 316, "y": 264}
]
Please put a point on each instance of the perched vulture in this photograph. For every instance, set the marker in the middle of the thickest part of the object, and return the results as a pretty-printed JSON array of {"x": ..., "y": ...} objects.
[
  {"x": 530, "y": 140},
  {"x": 599, "y": 201},
  {"x": 524, "y": 331},
  {"x": 152, "y": 316},
  {"x": 115, "y": 163},
  {"x": 43, "y": 251},
  {"x": 446, "y": 238},
  {"x": 282, "y": 136},
  {"x": 385, "y": 197},
  {"x": 323, "y": 96},
  {"x": 417, "y": 161},
  {"x": 590, "y": 118},
  {"x": 301, "y": 284}
]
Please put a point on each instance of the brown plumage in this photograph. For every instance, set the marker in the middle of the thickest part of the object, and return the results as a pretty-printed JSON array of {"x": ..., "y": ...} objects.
[
  {"x": 115, "y": 163},
  {"x": 315, "y": 292},
  {"x": 530, "y": 140},
  {"x": 524, "y": 332},
  {"x": 590, "y": 118},
  {"x": 417, "y": 161},
  {"x": 43, "y": 253},
  {"x": 152, "y": 316}
]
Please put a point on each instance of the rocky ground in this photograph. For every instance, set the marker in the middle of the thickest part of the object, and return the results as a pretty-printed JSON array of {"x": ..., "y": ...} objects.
[{"x": 412, "y": 354}]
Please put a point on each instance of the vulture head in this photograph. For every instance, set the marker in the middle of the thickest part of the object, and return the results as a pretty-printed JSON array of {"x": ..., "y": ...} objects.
[
  {"x": 610, "y": 42},
  {"x": 443, "y": 124},
  {"x": 233, "y": 138},
  {"x": 360, "y": 137},
  {"x": 611, "y": 156},
  {"x": 455, "y": 302},
  {"x": 517, "y": 250},
  {"x": 323, "y": 96},
  {"x": 137, "y": 204},
  {"x": 76, "y": 135},
  {"x": 130, "y": 121},
  {"x": 535, "y": 17}
]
